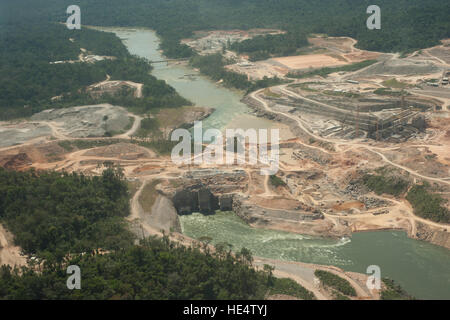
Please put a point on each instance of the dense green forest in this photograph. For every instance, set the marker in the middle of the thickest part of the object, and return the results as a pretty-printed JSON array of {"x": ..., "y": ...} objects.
[
  {"x": 156, "y": 269},
  {"x": 214, "y": 67},
  {"x": 426, "y": 203},
  {"x": 277, "y": 181},
  {"x": 65, "y": 219},
  {"x": 28, "y": 80},
  {"x": 406, "y": 24}
]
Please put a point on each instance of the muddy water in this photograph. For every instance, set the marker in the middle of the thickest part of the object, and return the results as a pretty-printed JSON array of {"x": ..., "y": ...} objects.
[{"x": 421, "y": 268}]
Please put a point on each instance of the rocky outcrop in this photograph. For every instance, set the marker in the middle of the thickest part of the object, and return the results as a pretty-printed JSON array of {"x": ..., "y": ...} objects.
[
  {"x": 251, "y": 213},
  {"x": 207, "y": 202},
  {"x": 86, "y": 121},
  {"x": 185, "y": 201},
  {"x": 437, "y": 237}
]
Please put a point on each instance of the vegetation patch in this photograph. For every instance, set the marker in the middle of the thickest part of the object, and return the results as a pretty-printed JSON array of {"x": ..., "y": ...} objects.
[
  {"x": 342, "y": 94},
  {"x": 154, "y": 270},
  {"x": 304, "y": 86},
  {"x": 148, "y": 195},
  {"x": 427, "y": 204},
  {"x": 51, "y": 214},
  {"x": 149, "y": 128},
  {"x": 130, "y": 124},
  {"x": 70, "y": 145},
  {"x": 339, "y": 296},
  {"x": 264, "y": 47},
  {"x": 270, "y": 93},
  {"x": 214, "y": 67},
  {"x": 333, "y": 281},
  {"x": 394, "y": 83},
  {"x": 133, "y": 187},
  {"x": 291, "y": 288},
  {"x": 277, "y": 181},
  {"x": 162, "y": 146},
  {"x": 385, "y": 184},
  {"x": 394, "y": 291},
  {"x": 389, "y": 92},
  {"x": 66, "y": 145}
]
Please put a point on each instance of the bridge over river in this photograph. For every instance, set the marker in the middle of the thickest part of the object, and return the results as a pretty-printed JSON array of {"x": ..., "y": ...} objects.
[{"x": 168, "y": 60}]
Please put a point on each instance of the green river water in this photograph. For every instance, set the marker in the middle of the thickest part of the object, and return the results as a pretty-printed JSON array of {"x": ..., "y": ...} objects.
[{"x": 421, "y": 268}]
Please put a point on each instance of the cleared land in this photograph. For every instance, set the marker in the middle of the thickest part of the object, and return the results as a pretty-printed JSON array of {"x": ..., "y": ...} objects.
[
  {"x": 339, "y": 131},
  {"x": 310, "y": 61},
  {"x": 323, "y": 52}
]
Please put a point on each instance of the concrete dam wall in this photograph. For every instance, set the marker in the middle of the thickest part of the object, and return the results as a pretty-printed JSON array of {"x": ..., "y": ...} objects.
[{"x": 201, "y": 200}]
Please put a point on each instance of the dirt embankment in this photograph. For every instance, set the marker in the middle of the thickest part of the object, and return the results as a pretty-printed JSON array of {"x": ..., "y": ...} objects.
[
  {"x": 303, "y": 273},
  {"x": 296, "y": 221},
  {"x": 432, "y": 235},
  {"x": 9, "y": 253},
  {"x": 156, "y": 210},
  {"x": 122, "y": 150},
  {"x": 164, "y": 216},
  {"x": 184, "y": 117}
]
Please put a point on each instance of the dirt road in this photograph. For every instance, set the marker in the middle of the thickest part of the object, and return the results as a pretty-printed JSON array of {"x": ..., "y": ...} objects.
[
  {"x": 134, "y": 128},
  {"x": 336, "y": 142},
  {"x": 9, "y": 253},
  {"x": 303, "y": 273}
]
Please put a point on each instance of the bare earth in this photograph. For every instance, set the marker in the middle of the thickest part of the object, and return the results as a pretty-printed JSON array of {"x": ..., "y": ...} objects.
[
  {"x": 316, "y": 165},
  {"x": 310, "y": 61},
  {"x": 9, "y": 253}
]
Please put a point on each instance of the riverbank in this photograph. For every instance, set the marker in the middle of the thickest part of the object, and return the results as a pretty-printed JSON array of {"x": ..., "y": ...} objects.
[
  {"x": 145, "y": 224},
  {"x": 437, "y": 235}
]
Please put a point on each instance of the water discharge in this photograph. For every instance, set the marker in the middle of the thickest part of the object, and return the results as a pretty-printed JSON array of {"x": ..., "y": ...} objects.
[{"x": 421, "y": 268}]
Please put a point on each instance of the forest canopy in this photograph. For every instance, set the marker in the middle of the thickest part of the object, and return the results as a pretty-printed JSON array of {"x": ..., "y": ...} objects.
[
  {"x": 157, "y": 270},
  {"x": 31, "y": 38},
  {"x": 30, "y": 78},
  {"x": 71, "y": 219},
  {"x": 53, "y": 213}
]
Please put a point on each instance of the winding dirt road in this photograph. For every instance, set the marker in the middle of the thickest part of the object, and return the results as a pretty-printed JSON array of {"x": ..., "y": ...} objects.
[{"x": 254, "y": 95}]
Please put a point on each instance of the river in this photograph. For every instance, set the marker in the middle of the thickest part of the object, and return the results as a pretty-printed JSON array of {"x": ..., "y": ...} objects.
[
  {"x": 421, "y": 268},
  {"x": 229, "y": 111}
]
